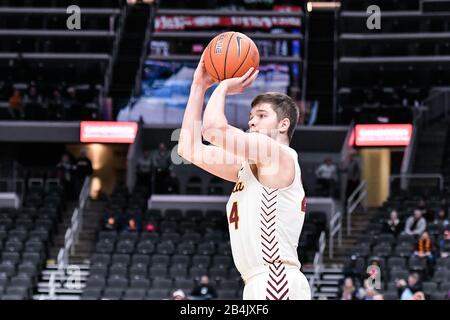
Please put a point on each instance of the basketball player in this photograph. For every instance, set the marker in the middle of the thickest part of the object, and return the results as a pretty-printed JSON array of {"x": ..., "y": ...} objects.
[{"x": 266, "y": 209}]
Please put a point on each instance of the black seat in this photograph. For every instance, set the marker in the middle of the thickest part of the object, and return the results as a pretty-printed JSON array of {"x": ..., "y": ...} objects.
[
  {"x": 222, "y": 261},
  {"x": 185, "y": 284},
  {"x": 218, "y": 273},
  {"x": 162, "y": 283},
  {"x": 140, "y": 258},
  {"x": 194, "y": 215},
  {"x": 122, "y": 258},
  {"x": 173, "y": 237},
  {"x": 125, "y": 246},
  {"x": 157, "y": 294},
  {"x": 117, "y": 282},
  {"x": 139, "y": 282},
  {"x": 91, "y": 294},
  {"x": 396, "y": 263},
  {"x": 417, "y": 264},
  {"x": 158, "y": 271},
  {"x": 197, "y": 272},
  {"x": 13, "y": 257},
  {"x": 191, "y": 237},
  {"x": 201, "y": 261},
  {"x": 135, "y": 294},
  {"x": 186, "y": 248},
  {"x": 226, "y": 294},
  {"x": 160, "y": 260},
  {"x": 145, "y": 247},
  {"x": 180, "y": 260},
  {"x": 206, "y": 249},
  {"x": 113, "y": 293},
  {"x": 177, "y": 272},
  {"x": 173, "y": 214},
  {"x": 104, "y": 247}
]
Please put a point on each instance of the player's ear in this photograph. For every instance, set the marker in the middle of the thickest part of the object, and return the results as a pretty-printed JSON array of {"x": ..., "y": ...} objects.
[{"x": 283, "y": 125}]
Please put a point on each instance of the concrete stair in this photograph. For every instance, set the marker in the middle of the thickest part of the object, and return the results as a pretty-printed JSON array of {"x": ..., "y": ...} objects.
[
  {"x": 85, "y": 246},
  {"x": 60, "y": 231},
  {"x": 360, "y": 220}
]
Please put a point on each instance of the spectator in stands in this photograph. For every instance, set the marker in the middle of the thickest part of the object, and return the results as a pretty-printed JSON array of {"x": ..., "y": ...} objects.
[
  {"x": 419, "y": 295},
  {"x": 425, "y": 249},
  {"x": 162, "y": 167},
  {"x": 204, "y": 290},
  {"x": 15, "y": 105},
  {"x": 55, "y": 105},
  {"x": 65, "y": 172},
  {"x": 366, "y": 292},
  {"x": 33, "y": 104},
  {"x": 406, "y": 290},
  {"x": 352, "y": 270},
  {"x": 109, "y": 221},
  {"x": 150, "y": 226},
  {"x": 348, "y": 290},
  {"x": 72, "y": 110},
  {"x": 445, "y": 206},
  {"x": 83, "y": 169},
  {"x": 353, "y": 171},
  {"x": 445, "y": 239},
  {"x": 130, "y": 222},
  {"x": 441, "y": 218},
  {"x": 426, "y": 212},
  {"x": 326, "y": 175},
  {"x": 178, "y": 295},
  {"x": 416, "y": 224},
  {"x": 144, "y": 170},
  {"x": 393, "y": 225}
]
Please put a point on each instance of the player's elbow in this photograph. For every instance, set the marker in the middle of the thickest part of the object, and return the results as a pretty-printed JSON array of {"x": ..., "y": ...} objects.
[{"x": 214, "y": 132}]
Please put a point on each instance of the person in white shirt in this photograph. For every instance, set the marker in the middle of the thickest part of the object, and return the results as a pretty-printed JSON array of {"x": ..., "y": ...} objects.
[{"x": 326, "y": 175}]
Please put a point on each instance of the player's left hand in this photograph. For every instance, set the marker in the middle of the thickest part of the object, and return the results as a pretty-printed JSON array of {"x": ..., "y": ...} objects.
[{"x": 238, "y": 85}]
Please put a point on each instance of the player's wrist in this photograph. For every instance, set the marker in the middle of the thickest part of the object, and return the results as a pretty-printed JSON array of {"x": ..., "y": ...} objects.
[{"x": 199, "y": 87}]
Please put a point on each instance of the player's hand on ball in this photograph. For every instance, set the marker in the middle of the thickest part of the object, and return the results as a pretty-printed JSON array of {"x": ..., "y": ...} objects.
[
  {"x": 238, "y": 85},
  {"x": 201, "y": 76}
]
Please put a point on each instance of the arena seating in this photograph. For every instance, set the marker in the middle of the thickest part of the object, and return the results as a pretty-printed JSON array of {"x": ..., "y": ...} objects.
[
  {"x": 185, "y": 245},
  {"x": 385, "y": 72},
  {"x": 25, "y": 236},
  {"x": 396, "y": 253},
  {"x": 37, "y": 48}
]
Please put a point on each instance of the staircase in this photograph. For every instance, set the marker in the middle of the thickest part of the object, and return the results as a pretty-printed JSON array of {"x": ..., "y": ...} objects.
[
  {"x": 342, "y": 253},
  {"x": 129, "y": 54},
  {"x": 69, "y": 283},
  {"x": 58, "y": 239},
  {"x": 85, "y": 246}
]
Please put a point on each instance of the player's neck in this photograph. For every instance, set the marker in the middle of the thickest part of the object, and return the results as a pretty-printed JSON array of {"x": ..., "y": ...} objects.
[{"x": 283, "y": 140}]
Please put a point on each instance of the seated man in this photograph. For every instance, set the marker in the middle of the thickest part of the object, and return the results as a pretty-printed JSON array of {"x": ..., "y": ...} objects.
[{"x": 416, "y": 224}]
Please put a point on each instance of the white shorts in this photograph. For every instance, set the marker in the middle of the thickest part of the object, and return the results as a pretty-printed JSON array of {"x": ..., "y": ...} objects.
[{"x": 277, "y": 284}]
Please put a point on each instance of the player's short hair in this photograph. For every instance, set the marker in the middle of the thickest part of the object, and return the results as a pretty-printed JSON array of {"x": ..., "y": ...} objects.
[{"x": 283, "y": 105}]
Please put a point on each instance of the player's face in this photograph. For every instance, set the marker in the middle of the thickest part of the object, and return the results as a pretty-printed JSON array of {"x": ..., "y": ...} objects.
[{"x": 262, "y": 119}]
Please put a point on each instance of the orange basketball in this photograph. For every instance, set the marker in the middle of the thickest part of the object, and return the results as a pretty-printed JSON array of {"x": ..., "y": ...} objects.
[{"x": 229, "y": 55}]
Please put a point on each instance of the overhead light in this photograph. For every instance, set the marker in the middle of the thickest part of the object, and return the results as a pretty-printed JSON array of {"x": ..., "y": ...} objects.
[{"x": 329, "y": 5}]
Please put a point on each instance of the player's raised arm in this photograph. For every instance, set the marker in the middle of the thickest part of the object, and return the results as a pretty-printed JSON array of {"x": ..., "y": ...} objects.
[
  {"x": 255, "y": 146},
  {"x": 190, "y": 146}
]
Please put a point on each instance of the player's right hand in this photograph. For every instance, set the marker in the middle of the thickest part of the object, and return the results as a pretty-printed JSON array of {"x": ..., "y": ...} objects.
[{"x": 202, "y": 77}]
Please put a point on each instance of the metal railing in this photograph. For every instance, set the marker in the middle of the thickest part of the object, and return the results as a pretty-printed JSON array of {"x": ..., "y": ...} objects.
[
  {"x": 148, "y": 33},
  {"x": 318, "y": 263},
  {"x": 76, "y": 222},
  {"x": 335, "y": 228},
  {"x": 422, "y": 176},
  {"x": 358, "y": 197},
  {"x": 115, "y": 50}
]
